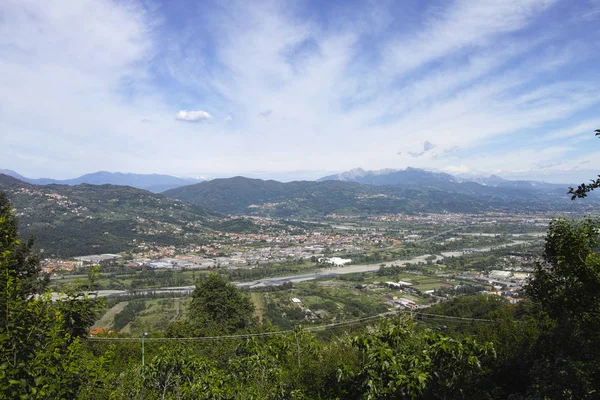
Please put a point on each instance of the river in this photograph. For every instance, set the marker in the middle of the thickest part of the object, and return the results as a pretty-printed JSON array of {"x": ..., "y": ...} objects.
[{"x": 320, "y": 273}]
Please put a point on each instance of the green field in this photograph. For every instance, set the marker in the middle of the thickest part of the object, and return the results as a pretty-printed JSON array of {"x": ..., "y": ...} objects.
[{"x": 158, "y": 313}]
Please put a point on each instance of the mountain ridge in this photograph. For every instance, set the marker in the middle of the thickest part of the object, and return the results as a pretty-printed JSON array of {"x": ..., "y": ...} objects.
[
  {"x": 416, "y": 176},
  {"x": 155, "y": 183},
  {"x": 241, "y": 195},
  {"x": 83, "y": 219}
]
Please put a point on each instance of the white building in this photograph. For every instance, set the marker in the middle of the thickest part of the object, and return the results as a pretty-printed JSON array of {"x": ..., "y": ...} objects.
[{"x": 337, "y": 261}]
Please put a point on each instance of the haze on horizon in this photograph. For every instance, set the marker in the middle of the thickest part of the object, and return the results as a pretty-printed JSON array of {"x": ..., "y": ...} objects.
[{"x": 297, "y": 90}]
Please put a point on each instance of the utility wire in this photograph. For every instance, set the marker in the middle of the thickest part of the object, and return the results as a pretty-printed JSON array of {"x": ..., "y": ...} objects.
[{"x": 310, "y": 329}]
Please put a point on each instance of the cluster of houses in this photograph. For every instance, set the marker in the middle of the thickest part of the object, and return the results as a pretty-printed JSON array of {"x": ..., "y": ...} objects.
[{"x": 308, "y": 314}]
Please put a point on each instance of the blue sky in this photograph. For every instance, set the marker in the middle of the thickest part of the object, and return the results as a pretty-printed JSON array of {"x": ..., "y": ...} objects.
[{"x": 300, "y": 89}]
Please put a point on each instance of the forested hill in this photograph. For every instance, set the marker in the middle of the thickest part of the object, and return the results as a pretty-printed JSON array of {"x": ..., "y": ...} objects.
[
  {"x": 241, "y": 195},
  {"x": 84, "y": 219}
]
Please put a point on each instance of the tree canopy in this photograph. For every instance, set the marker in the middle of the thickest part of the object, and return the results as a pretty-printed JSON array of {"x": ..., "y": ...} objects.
[
  {"x": 39, "y": 338},
  {"x": 217, "y": 307},
  {"x": 566, "y": 286}
]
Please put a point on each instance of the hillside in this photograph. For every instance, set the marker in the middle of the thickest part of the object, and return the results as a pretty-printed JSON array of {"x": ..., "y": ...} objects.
[
  {"x": 84, "y": 219},
  {"x": 315, "y": 199},
  {"x": 155, "y": 183}
]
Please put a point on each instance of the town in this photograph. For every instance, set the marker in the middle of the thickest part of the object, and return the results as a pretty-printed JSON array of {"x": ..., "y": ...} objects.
[{"x": 430, "y": 258}]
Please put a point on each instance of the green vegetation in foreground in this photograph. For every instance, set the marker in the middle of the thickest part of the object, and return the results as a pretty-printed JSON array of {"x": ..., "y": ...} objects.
[{"x": 544, "y": 348}]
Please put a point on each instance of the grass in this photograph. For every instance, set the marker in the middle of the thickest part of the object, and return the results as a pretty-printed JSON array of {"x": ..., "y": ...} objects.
[
  {"x": 259, "y": 305},
  {"x": 155, "y": 317}
]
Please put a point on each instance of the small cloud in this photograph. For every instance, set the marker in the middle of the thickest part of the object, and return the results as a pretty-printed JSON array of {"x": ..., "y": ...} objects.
[
  {"x": 266, "y": 113},
  {"x": 228, "y": 118},
  {"x": 146, "y": 120},
  {"x": 193, "y": 116},
  {"x": 427, "y": 146}
]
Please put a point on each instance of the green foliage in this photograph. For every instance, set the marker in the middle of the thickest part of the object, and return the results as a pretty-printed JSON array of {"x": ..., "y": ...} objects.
[
  {"x": 566, "y": 286},
  {"x": 401, "y": 363},
  {"x": 217, "y": 307},
  {"x": 39, "y": 339},
  {"x": 393, "y": 361},
  {"x": 567, "y": 283},
  {"x": 20, "y": 263}
]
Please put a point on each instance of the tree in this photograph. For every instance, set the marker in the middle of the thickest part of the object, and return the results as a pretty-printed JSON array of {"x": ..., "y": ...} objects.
[
  {"x": 566, "y": 286},
  {"x": 19, "y": 261},
  {"x": 567, "y": 282},
  {"x": 401, "y": 362},
  {"x": 39, "y": 337},
  {"x": 583, "y": 189},
  {"x": 218, "y": 307}
]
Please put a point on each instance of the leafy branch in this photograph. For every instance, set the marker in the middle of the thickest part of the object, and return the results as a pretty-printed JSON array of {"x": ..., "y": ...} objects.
[{"x": 583, "y": 189}]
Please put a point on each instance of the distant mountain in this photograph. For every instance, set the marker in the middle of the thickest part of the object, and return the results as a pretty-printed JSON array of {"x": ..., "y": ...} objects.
[
  {"x": 414, "y": 176},
  {"x": 241, "y": 195},
  {"x": 496, "y": 181},
  {"x": 409, "y": 176},
  {"x": 92, "y": 219},
  {"x": 12, "y": 173},
  {"x": 152, "y": 182}
]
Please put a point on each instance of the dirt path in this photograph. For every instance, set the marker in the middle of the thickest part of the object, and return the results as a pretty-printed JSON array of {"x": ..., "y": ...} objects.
[
  {"x": 258, "y": 304},
  {"x": 107, "y": 319}
]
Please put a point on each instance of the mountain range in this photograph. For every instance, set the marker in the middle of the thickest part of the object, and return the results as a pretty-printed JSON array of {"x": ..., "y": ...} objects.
[
  {"x": 85, "y": 218},
  {"x": 158, "y": 183},
  {"x": 310, "y": 199},
  {"x": 420, "y": 177},
  {"x": 155, "y": 183}
]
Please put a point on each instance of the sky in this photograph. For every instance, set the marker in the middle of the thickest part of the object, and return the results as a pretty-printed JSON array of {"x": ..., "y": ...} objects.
[{"x": 300, "y": 89}]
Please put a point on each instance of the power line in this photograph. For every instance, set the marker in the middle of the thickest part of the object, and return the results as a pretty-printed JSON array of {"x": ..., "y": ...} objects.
[
  {"x": 309, "y": 329},
  {"x": 438, "y": 316},
  {"x": 249, "y": 335}
]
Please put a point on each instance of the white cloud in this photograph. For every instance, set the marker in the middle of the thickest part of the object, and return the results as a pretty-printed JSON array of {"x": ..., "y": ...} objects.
[
  {"x": 583, "y": 129},
  {"x": 467, "y": 75},
  {"x": 62, "y": 70},
  {"x": 193, "y": 116},
  {"x": 464, "y": 23}
]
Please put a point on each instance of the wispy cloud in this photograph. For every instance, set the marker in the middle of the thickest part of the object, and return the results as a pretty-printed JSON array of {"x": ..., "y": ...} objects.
[{"x": 328, "y": 88}]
